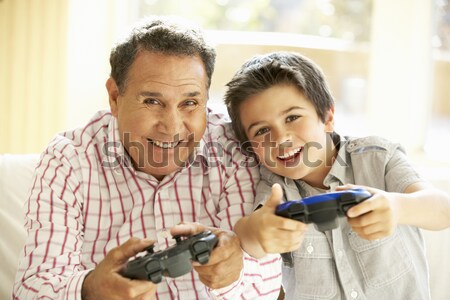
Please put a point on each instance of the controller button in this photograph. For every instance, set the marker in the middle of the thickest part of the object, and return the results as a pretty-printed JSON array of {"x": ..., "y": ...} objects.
[
  {"x": 202, "y": 258},
  {"x": 153, "y": 266},
  {"x": 201, "y": 251},
  {"x": 345, "y": 208},
  {"x": 200, "y": 246},
  {"x": 155, "y": 277}
]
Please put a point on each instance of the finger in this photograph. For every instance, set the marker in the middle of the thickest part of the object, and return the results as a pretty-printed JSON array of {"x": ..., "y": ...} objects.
[
  {"x": 221, "y": 274},
  {"x": 228, "y": 245},
  {"x": 143, "y": 290},
  {"x": 367, "y": 219},
  {"x": 285, "y": 224},
  {"x": 362, "y": 208},
  {"x": 186, "y": 229},
  {"x": 283, "y": 245},
  {"x": 275, "y": 198},
  {"x": 350, "y": 186},
  {"x": 345, "y": 187},
  {"x": 121, "y": 254}
]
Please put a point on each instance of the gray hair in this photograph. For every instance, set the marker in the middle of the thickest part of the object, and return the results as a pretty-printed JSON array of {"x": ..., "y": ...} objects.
[{"x": 166, "y": 35}]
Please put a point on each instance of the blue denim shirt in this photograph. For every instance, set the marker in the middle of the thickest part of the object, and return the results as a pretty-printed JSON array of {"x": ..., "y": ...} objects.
[{"x": 338, "y": 264}]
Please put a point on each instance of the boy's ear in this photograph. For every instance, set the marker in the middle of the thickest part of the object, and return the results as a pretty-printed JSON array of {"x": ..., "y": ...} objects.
[
  {"x": 329, "y": 121},
  {"x": 113, "y": 92}
]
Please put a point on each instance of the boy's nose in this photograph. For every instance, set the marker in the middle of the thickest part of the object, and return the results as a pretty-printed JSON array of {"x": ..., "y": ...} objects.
[
  {"x": 283, "y": 138},
  {"x": 286, "y": 143}
]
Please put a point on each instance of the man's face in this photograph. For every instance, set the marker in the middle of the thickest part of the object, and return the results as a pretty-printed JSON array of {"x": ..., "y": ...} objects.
[{"x": 162, "y": 112}]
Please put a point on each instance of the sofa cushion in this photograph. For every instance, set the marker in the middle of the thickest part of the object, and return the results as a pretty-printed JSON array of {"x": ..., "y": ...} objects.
[{"x": 16, "y": 171}]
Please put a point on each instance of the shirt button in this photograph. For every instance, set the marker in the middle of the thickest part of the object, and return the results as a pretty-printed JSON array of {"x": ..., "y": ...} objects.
[
  {"x": 339, "y": 253},
  {"x": 310, "y": 249},
  {"x": 354, "y": 294}
]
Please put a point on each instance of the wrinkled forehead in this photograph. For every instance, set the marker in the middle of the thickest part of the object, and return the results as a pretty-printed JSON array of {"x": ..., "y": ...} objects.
[{"x": 168, "y": 70}]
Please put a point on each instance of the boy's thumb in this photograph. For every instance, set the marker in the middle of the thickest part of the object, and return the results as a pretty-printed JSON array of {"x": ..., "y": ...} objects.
[{"x": 275, "y": 198}]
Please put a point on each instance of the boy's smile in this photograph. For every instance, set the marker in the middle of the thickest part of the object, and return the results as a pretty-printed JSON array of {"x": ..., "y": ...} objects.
[{"x": 287, "y": 135}]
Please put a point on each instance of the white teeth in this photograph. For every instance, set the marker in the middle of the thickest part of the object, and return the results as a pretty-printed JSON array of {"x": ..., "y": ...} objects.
[
  {"x": 290, "y": 153},
  {"x": 165, "y": 145}
]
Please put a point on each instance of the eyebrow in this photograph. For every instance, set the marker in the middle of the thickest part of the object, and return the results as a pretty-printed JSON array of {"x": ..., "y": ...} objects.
[
  {"x": 284, "y": 112},
  {"x": 156, "y": 94}
]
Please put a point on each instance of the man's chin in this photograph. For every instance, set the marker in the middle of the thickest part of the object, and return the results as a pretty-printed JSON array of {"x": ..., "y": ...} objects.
[{"x": 159, "y": 173}]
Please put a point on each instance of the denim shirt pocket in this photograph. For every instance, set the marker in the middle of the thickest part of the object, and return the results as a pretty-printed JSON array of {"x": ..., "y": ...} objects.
[
  {"x": 381, "y": 261},
  {"x": 314, "y": 268}
]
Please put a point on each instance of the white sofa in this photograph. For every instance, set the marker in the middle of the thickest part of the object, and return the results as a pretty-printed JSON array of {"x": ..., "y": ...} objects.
[{"x": 15, "y": 179}]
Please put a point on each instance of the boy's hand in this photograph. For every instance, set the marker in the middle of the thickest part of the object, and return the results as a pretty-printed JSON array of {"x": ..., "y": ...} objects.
[
  {"x": 376, "y": 217},
  {"x": 275, "y": 234}
]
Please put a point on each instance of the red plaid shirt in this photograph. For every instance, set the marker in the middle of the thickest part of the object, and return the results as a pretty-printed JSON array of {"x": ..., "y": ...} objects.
[{"x": 87, "y": 198}]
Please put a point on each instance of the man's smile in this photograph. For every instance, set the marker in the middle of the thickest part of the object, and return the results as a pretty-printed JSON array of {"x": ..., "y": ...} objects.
[{"x": 164, "y": 145}]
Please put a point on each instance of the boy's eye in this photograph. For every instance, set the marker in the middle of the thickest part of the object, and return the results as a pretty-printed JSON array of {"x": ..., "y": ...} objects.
[
  {"x": 292, "y": 118},
  {"x": 262, "y": 131}
]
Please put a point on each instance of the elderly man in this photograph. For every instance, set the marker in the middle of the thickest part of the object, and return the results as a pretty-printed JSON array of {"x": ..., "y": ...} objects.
[{"x": 158, "y": 163}]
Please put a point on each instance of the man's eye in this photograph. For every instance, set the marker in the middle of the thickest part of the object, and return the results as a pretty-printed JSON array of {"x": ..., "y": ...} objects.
[
  {"x": 151, "y": 101},
  {"x": 189, "y": 105},
  {"x": 262, "y": 131},
  {"x": 292, "y": 118}
]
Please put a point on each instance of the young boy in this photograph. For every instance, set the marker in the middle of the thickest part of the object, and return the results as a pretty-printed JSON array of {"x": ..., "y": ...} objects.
[{"x": 281, "y": 104}]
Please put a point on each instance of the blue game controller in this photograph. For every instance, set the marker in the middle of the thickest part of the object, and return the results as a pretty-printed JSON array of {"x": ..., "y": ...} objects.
[{"x": 322, "y": 210}]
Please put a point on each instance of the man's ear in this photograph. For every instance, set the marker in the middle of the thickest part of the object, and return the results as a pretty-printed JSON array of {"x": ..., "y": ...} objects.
[
  {"x": 113, "y": 92},
  {"x": 329, "y": 120}
]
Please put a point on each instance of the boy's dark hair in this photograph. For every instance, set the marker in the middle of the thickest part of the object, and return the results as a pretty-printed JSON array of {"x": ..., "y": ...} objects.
[
  {"x": 166, "y": 35},
  {"x": 264, "y": 71}
]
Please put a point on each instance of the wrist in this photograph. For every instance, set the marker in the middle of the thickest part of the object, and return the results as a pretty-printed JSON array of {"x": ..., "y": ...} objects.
[{"x": 85, "y": 294}]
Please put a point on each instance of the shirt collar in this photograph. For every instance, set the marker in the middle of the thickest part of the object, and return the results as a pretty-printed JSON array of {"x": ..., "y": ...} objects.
[
  {"x": 341, "y": 171},
  {"x": 114, "y": 150}
]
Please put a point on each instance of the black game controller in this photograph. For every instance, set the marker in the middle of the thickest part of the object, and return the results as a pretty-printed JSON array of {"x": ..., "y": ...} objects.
[
  {"x": 174, "y": 261},
  {"x": 324, "y": 209}
]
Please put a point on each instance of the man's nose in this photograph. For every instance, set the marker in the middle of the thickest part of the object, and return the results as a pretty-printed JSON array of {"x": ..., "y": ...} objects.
[{"x": 170, "y": 121}]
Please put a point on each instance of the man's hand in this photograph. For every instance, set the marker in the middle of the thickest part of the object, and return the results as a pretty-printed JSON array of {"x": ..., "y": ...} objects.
[
  {"x": 226, "y": 261},
  {"x": 275, "y": 234},
  {"x": 376, "y": 217},
  {"x": 104, "y": 282}
]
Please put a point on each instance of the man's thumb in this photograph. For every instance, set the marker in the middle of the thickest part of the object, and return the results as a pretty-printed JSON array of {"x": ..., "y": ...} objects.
[{"x": 276, "y": 197}]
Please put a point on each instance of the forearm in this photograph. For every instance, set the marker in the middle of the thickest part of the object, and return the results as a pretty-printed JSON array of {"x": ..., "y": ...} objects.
[
  {"x": 260, "y": 279},
  {"x": 427, "y": 208},
  {"x": 249, "y": 241}
]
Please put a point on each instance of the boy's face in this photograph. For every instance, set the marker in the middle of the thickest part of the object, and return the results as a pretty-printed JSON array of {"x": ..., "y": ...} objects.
[{"x": 287, "y": 135}]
